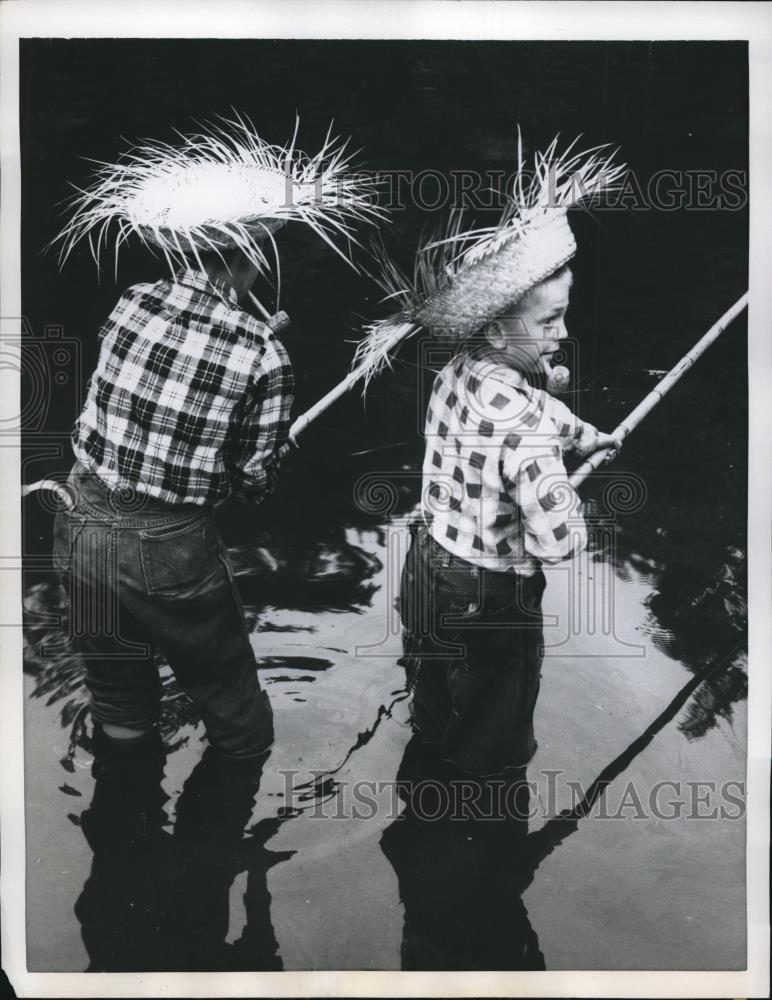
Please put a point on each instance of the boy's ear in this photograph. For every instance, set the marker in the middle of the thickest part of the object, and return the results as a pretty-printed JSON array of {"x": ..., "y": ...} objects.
[{"x": 495, "y": 335}]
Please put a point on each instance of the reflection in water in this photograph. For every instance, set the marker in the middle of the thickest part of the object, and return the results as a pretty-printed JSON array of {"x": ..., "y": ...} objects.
[
  {"x": 296, "y": 663},
  {"x": 463, "y": 855},
  {"x": 461, "y": 876},
  {"x": 212, "y": 813},
  {"x": 160, "y": 901},
  {"x": 305, "y": 574},
  {"x": 161, "y": 898},
  {"x": 698, "y": 605},
  {"x": 124, "y": 908}
]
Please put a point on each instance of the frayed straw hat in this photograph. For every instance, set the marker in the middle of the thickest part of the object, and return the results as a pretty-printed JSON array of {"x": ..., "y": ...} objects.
[
  {"x": 463, "y": 280},
  {"x": 219, "y": 189}
]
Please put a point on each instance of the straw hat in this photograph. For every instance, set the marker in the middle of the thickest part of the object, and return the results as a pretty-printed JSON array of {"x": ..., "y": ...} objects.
[
  {"x": 219, "y": 189},
  {"x": 464, "y": 279}
]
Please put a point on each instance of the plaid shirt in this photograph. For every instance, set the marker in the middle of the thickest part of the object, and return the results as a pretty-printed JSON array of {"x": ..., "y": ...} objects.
[
  {"x": 190, "y": 398},
  {"x": 495, "y": 487}
]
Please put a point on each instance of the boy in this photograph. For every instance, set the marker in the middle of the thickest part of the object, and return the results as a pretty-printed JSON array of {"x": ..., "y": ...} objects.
[
  {"x": 189, "y": 403},
  {"x": 496, "y": 505}
]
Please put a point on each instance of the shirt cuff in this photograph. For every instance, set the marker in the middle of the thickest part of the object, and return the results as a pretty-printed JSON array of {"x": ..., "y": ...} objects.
[
  {"x": 251, "y": 490},
  {"x": 586, "y": 439}
]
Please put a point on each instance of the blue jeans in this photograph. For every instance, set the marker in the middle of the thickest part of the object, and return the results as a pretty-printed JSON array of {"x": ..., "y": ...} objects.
[
  {"x": 473, "y": 643},
  {"x": 143, "y": 575}
]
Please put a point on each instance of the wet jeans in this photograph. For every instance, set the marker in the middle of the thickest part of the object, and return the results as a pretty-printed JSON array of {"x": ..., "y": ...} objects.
[
  {"x": 473, "y": 649},
  {"x": 143, "y": 575}
]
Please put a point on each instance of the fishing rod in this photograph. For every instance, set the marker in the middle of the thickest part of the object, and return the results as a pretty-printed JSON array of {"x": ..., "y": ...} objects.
[
  {"x": 560, "y": 376},
  {"x": 399, "y": 333},
  {"x": 658, "y": 393}
]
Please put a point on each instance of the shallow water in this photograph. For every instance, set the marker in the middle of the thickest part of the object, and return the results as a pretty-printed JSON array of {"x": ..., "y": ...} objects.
[{"x": 323, "y": 872}]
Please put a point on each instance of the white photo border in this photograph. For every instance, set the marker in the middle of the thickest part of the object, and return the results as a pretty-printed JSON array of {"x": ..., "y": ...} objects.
[{"x": 400, "y": 19}]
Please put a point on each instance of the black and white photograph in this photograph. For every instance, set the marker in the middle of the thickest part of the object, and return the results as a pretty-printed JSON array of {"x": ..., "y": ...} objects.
[{"x": 386, "y": 499}]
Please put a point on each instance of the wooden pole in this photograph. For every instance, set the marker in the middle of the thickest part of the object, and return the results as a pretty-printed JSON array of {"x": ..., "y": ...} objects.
[
  {"x": 628, "y": 424},
  {"x": 648, "y": 403},
  {"x": 579, "y": 474},
  {"x": 343, "y": 387},
  {"x": 259, "y": 306}
]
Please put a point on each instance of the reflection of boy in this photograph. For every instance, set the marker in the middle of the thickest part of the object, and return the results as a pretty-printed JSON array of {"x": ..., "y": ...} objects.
[{"x": 497, "y": 504}]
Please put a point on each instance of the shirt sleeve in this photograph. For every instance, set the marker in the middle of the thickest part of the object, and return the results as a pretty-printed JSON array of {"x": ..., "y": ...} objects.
[
  {"x": 263, "y": 428},
  {"x": 575, "y": 435},
  {"x": 549, "y": 507}
]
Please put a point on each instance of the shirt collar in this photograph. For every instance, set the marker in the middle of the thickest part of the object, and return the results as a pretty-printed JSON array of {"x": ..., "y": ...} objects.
[
  {"x": 200, "y": 280},
  {"x": 488, "y": 363}
]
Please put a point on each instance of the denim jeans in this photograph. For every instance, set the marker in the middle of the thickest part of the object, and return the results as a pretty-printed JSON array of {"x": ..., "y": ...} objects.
[
  {"x": 473, "y": 644},
  {"x": 143, "y": 575}
]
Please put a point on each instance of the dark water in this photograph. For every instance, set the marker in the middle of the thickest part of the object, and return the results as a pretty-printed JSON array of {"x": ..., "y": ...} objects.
[{"x": 172, "y": 865}]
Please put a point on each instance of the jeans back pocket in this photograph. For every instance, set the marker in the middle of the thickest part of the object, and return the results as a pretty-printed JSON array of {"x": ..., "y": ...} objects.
[{"x": 176, "y": 556}]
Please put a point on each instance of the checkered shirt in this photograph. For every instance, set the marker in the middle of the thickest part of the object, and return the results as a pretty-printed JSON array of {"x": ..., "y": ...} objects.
[
  {"x": 190, "y": 398},
  {"x": 495, "y": 488}
]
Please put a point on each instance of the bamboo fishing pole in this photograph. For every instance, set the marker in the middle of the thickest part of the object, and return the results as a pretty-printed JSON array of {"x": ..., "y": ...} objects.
[
  {"x": 630, "y": 422},
  {"x": 400, "y": 332},
  {"x": 579, "y": 475},
  {"x": 648, "y": 403}
]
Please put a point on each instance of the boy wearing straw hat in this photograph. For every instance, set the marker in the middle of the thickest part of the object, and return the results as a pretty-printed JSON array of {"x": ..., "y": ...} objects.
[
  {"x": 496, "y": 502},
  {"x": 497, "y": 505},
  {"x": 189, "y": 403}
]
